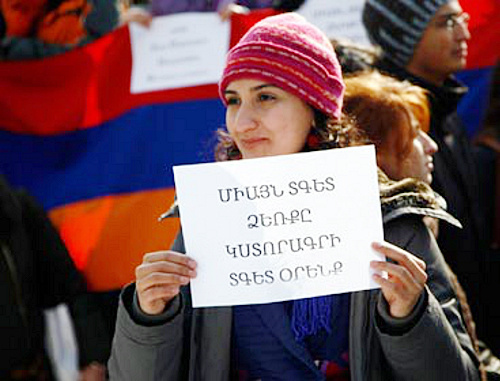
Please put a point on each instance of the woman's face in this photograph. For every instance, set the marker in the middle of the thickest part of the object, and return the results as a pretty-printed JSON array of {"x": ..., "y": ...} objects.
[
  {"x": 418, "y": 164},
  {"x": 265, "y": 120}
]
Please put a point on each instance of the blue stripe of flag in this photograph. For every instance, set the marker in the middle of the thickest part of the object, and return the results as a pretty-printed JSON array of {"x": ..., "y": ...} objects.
[
  {"x": 131, "y": 153},
  {"x": 472, "y": 108}
]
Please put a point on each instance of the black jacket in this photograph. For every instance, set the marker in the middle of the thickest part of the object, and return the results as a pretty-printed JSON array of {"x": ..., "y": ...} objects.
[
  {"x": 36, "y": 273},
  {"x": 455, "y": 178}
]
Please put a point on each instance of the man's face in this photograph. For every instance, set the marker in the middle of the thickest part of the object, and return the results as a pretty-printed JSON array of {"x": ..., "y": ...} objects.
[{"x": 442, "y": 50}]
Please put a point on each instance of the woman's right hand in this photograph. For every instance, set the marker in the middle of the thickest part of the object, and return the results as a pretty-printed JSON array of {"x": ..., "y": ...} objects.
[{"x": 159, "y": 278}]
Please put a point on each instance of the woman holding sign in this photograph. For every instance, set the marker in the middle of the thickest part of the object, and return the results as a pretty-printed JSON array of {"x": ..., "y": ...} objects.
[{"x": 283, "y": 89}]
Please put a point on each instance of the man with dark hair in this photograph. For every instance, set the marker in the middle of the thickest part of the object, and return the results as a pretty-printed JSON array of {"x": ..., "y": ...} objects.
[{"x": 426, "y": 42}]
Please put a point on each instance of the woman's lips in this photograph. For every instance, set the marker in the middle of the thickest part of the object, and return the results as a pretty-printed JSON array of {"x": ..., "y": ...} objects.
[{"x": 252, "y": 142}]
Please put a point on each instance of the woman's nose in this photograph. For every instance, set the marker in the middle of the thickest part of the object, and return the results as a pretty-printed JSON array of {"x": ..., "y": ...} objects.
[
  {"x": 245, "y": 118},
  {"x": 430, "y": 145}
]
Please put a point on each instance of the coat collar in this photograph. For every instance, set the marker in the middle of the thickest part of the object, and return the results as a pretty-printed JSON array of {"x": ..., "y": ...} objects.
[{"x": 410, "y": 196}]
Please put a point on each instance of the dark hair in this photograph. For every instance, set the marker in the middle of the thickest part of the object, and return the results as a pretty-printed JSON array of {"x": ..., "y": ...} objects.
[
  {"x": 326, "y": 133},
  {"x": 353, "y": 57}
]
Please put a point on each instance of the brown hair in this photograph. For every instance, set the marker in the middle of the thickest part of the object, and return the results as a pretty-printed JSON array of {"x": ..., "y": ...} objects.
[
  {"x": 326, "y": 133},
  {"x": 382, "y": 107}
]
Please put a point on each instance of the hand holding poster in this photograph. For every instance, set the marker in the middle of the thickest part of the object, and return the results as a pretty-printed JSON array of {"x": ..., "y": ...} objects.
[{"x": 280, "y": 228}]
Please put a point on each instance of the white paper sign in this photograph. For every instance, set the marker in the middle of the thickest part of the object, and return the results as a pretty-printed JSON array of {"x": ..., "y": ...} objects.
[
  {"x": 337, "y": 19},
  {"x": 280, "y": 228},
  {"x": 181, "y": 50}
]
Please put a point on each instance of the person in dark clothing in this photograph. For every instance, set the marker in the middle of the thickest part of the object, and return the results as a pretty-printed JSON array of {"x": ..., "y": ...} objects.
[
  {"x": 487, "y": 154},
  {"x": 426, "y": 43},
  {"x": 37, "y": 273}
]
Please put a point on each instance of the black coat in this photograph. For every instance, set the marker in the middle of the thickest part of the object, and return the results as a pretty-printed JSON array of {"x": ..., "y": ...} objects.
[
  {"x": 36, "y": 272},
  {"x": 455, "y": 178}
]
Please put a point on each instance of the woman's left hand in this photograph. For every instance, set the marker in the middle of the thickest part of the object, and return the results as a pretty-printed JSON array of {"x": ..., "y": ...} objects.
[{"x": 406, "y": 278}]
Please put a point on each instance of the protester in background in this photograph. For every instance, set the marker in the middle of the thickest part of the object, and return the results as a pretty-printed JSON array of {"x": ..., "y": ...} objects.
[
  {"x": 38, "y": 273},
  {"x": 283, "y": 89},
  {"x": 395, "y": 116},
  {"x": 42, "y": 28},
  {"x": 425, "y": 42},
  {"x": 487, "y": 155}
]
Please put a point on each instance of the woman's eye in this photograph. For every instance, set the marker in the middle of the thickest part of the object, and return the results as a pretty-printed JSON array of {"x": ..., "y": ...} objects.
[
  {"x": 232, "y": 101},
  {"x": 266, "y": 97}
]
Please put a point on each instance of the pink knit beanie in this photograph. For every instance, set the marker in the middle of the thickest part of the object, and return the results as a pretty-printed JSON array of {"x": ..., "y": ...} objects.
[{"x": 289, "y": 52}]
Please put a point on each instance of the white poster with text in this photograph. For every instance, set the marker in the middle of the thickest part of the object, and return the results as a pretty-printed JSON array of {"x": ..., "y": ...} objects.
[
  {"x": 281, "y": 228},
  {"x": 337, "y": 19},
  {"x": 181, "y": 50}
]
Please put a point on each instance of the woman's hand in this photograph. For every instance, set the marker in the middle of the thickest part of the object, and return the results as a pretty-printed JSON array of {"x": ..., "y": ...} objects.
[
  {"x": 160, "y": 277},
  {"x": 406, "y": 278}
]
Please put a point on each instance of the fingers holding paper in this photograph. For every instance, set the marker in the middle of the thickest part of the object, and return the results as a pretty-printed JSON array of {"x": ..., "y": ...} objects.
[
  {"x": 406, "y": 278},
  {"x": 159, "y": 278}
]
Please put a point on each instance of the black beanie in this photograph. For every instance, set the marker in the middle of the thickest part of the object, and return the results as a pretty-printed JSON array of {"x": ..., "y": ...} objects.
[{"x": 397, "y": 25}]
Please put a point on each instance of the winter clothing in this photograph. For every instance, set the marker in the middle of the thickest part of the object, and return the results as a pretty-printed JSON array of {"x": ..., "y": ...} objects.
[
  {"x": 289, "y": 52},
  {"x": 37, "y": 273},
  {"x": 455, "y": 179},
  {"x": 60, "y": 31},
  {"x": 194, "y": 344},
  {"x": 397, "y": 25}
]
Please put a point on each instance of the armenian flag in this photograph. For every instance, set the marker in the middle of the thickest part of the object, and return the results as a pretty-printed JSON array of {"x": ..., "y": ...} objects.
[{"x": 99, "y": 158}]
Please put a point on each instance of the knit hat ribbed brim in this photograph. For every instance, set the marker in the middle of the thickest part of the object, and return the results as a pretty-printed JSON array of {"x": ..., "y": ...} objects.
[{"x": 289, "y": 52}]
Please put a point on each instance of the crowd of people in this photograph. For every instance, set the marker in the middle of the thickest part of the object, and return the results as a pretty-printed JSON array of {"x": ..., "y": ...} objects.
[{"x": 287, "y": 88}]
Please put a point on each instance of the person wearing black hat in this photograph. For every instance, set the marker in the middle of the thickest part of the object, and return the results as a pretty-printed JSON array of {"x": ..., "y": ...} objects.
[{"x": 426, "y": 42}]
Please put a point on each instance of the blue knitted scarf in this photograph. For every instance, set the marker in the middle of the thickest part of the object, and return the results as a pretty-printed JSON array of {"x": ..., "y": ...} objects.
[{"x": 310, "y": 316}]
